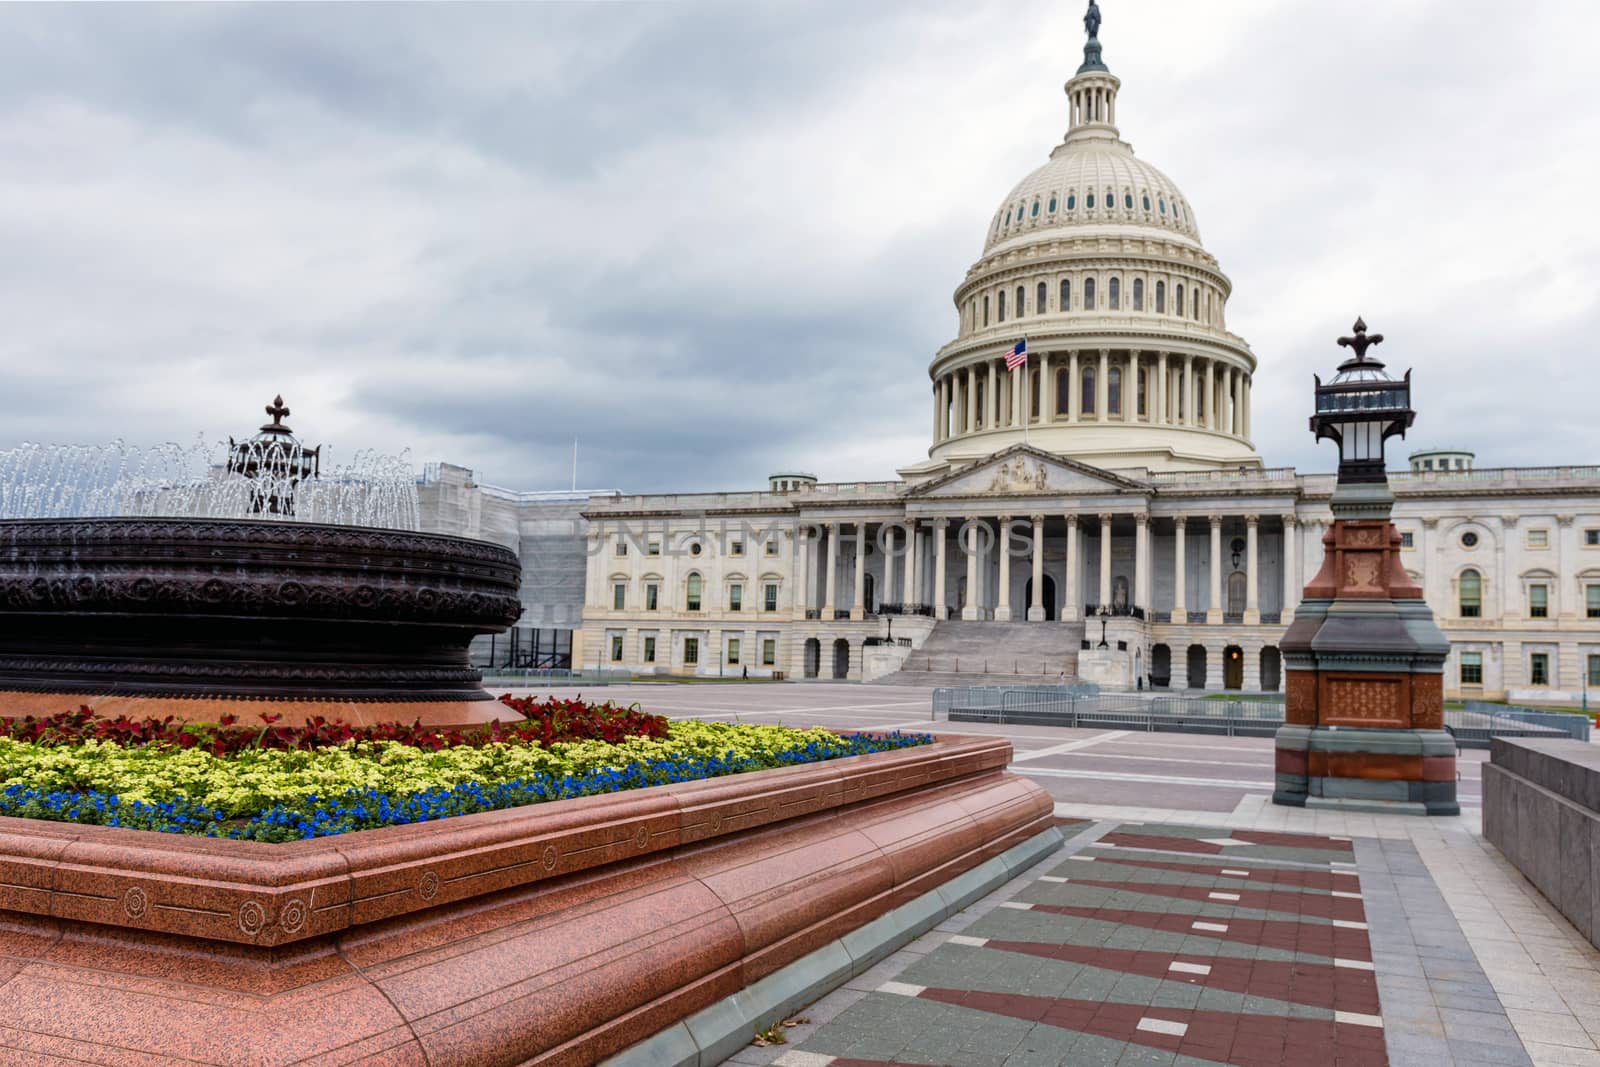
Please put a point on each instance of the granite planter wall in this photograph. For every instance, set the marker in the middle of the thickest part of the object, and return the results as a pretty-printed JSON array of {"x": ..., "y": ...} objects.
[
  {"x": 555, "y": 934},
  {"x": 1541, "y": 809}
]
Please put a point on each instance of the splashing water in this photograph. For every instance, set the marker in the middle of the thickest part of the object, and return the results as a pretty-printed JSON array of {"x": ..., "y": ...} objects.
[{"x": 171, "y": 480}]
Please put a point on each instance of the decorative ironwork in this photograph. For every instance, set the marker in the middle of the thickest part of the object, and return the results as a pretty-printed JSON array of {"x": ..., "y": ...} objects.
[
  {"x": 1361, "y": 342},
  {"x": 274, "y": 462}
]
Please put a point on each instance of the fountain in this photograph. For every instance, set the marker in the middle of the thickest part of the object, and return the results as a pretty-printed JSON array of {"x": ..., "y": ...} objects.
[{"x": 196, "y": 583}]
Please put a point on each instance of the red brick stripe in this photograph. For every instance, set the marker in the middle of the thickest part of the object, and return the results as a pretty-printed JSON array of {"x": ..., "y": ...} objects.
[
  {"x": 1309, "y": 904},
  {"x": 1314, "y": 939},
  {"x": 1302, "y": 879},
  {"x": 1243, "y": 1040},
  {"x": 1128, "y": 839},
  {"x": 1319, "y": 985}
]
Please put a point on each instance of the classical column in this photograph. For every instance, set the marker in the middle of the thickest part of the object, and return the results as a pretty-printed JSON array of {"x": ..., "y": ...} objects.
[
  {"x": 941, "y": 606},
  {"x": 1180, "y": 610},
  {"x": 1247, "y": 406},
  {"x": 1002, "y": 608},
  {"x": 1036, "y": 602},
  {"x": 1102, "y": 386},
  {"x": 1105, "y": 560},
  {"x": 831, "y": 580},
  {"x": 913, "y": 582},
  {"x": 1017, "y": 387},
  {"x": 1186, "y": 402},
  {"x": 805, "y": 578},
  {"x": 1130, "y": 389},
  {"x": 1074, "y": 600},
  {"x": 859, "y": 610},
  {"x": 1074, "y": 387},
  {"x": 1235, "y": 408},
  {"x": 936, "y": 391},
  {"x": 1291, "y": 556},
  {"x": 969, "y": 544},
  {"x": 971, "y": 395},
  {"x": 944, "y": 408},
  {"x": 1252, "y": 594},
  {"x": 1214, "y": 607},
  {"x": 886, "y": 594},
  {"x": 1141, "y": 561},
  {"x": 991, "y": 417},
  {"x": 1161, "y": 390},
  {"x": 1047, "y": 391},
  {"x": 1210, "y": 420}
]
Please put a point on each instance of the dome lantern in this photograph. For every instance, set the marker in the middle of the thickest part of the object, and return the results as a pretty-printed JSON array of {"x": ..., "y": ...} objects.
[{"x": 1092, "y": 91}]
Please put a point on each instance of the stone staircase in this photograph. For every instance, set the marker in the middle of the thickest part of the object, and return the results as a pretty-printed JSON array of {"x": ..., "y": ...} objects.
[{"x": 997, "y": 653}]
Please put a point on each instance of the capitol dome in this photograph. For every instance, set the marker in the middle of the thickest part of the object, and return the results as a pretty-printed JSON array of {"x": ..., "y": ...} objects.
[{"x": 1094, "y": 263}]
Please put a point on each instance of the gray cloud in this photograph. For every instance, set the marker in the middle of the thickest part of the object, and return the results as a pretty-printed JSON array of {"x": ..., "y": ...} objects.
[{"x": 713, "y": 240}]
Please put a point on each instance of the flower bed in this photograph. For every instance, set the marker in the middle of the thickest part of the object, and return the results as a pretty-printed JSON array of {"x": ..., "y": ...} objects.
[{"x": 276, "y": 783}]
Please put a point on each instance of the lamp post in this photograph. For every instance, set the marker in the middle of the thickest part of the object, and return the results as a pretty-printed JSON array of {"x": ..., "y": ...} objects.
[{"x": 1364, "y": 660}]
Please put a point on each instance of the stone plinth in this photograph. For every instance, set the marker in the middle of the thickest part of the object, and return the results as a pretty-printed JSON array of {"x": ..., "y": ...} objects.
[
  {"x": 1364, "y": 681},
  {"x": 556, "y": 934}
]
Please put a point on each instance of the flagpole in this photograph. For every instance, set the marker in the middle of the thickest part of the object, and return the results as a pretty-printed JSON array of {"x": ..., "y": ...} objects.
[{"x": 1027, "y": 395}]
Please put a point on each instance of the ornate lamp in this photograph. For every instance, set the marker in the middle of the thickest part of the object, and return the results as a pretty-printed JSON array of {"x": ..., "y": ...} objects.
[
  {"x": 275, "y": 462},
  {"x": 1361, "y": 408},
  {"x": 1364, "y": 660}
]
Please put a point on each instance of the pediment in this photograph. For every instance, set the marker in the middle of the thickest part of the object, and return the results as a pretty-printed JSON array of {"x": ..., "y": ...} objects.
[{"x": 1025, "y": 471}]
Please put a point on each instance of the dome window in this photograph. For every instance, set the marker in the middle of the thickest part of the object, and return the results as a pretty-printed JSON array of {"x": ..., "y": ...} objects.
[
  {"x": 1178, "y": 301},
  {"x": 1086, "y": 392},
  {"x": 1066, "y": 294},
  {"x": 1147, "y": 201},
  {"x": 1088, "y": 294},
  {"x": 1035, "y": 209},
  {"x": 1000, "y": 305},
  {"x": 1072, "y": 202},
  {"x": 1127, "y": 201},
  {"x": 1052, "y": 205},
  {"x": 1111, "y": 199},
  {"x": 1163, "y": 204},
  {"x": 1042, "y": 299},
  {"x": 1022, "y": 296},
  {"x": 1138, "y": 294},
  {"x": 1114, "y": 295},
  {"x": 1161, "y": 297},
  {"x": 1088, "y": 201}
]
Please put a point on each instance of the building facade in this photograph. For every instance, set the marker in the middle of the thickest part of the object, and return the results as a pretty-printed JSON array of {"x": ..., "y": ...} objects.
[{"x": 1099, "y": 506}]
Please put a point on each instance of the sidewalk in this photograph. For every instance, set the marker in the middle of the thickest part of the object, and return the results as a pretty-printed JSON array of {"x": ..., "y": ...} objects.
[{"x": 1259, "y": 937}]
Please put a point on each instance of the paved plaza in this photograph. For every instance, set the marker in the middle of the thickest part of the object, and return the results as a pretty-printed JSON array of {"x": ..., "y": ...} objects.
[{"x": 1190, "y": 921}]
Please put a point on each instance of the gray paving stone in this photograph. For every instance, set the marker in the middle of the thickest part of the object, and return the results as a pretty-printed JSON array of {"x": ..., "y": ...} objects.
[{"x": 1487, "y": 1053}]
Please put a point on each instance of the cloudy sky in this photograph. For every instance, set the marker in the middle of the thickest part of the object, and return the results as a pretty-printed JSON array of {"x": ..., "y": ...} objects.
[{"x": 713, "y": 240}]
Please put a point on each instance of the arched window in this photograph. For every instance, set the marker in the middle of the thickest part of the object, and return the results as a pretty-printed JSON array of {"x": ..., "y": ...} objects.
[
  {"x": 692, "y": 593},
  {"x": 1041, "y": 299},
  {"x": 1088, "y": 201},
  {"x": 1063, "y": 391},
  {"x": 1196, "y": 303},
  {"x": 1019, "y": 211},
  {"x": 1114, "y": 391},
  {"x": 1127, "y": 201},
  {"x": 1138, "y": 294},
  {"x": 1114, "y": 294},
  {"x": 1142, "y": 385},
  {"x": 1052, "y": 205},
  {"x": 1000, "y": 304},
  {"x": 977, "y": 395},
  {"x": 1147, "y": 201},
  {"x": 1086, "y": 392},
  {"x": 986, "y": 311},
  {"x": 1066, "y": 294},
  {"x": 1177, "y": 303},
  {"x": 1033, "y": 393},
  {"x": 1022, "y": 301},
  {"x": 1072, "y": 202},
  {"x": 1471, "y": 595},
  {"x": 1161, "y": 300},
  {"x": 1111, "y": 199},
  {"x": 1088, "y": 294},
  {"x": 1163, "y": 204},
  {"x": 1035, "y": 209}
]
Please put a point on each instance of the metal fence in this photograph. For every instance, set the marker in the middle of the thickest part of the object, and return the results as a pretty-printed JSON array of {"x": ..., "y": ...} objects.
[
  {"x": 1084, "y": 705},
  {"x": 542, "y": 676}
]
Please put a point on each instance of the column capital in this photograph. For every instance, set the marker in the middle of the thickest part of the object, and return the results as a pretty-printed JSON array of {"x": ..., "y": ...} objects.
[
  {"x": 1215, "y": 520},
  {"x": 1141, "y": 518},
  {"x": 1565, "y": 520},
  {"x": 1106, "y": 517},
  {"x": 1037, "y": 520},
  {"x": 1004, "y": 518},
  {"x": 1289, "y": 520},
  {"x": 941, "y": 523},
  {"x": 1071, "y": 517},
  {"x": 1430, "y": 521},
  {"x": 1105, "y": 353},
  {"x": 1252, "y": 521},
  {"x": 1180, "y": 521}
]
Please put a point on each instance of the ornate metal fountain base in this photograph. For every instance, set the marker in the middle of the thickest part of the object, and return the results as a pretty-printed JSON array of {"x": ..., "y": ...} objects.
[{"x": 199, "y": 618}]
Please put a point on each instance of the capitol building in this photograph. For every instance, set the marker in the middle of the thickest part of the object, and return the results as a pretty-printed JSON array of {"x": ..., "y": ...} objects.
[{"x": 1098, "y": 511}]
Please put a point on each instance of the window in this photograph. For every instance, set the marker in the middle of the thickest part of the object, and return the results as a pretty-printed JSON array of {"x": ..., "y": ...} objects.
[
  {"x": 1196, "y": 305},
  {"x": 1147, "y": 201},
  {"x": 733, "y": 651},
  {"x": 649, "y": 650},
  {"x": 1087, "y": 394},
  {"x": 1000, "y": 307},
  {"x": 693, "y": 600},
  {"x": 622, "y": 546},
  {"x": 1066, "y": 305},
  {"x": 1538, "y": 538},
  {"x": 1052, "y": 205},
  {"x": 1407, "y": 539},
  {"x": 1063, "y": 391},
  {"x": 1035, "y": 211},
  {"x": 1594, "y": 670},
  {"x": 772, "y": 546},
  {"x": 1111, "y": 199},
  {"x": 1138, "y": 294},
  {"x": 691, "y": 651},
  {"x": 1591, "y": 538},
  {"x": 1469, "y": 540},
  {"x": 619, "y": 596},
  {"x": 1177, "y": 300},
  {"x": 978, "y": 401},
  {"x": 1127, "y": 201},
  {"x": 735, "y": 597},
  {"x": 736, "y": 548},
  {"x": 652, "y": 596},
  {"x": 653, "y": 548},
  {"x": 1088, "y": 201},
  {"x": 769, "y": 645},
  {"x": 1022, "y": 305},
  {"x": 986, "y": 311},
  {"x": 616, "y": 648},
  {"x": 1072, "y": 202},
  {"x": 769, "y": 597},
  {"x": 1042, "y": 299},
  {"x": 1471, "y": 595},
  {"x": 1088, "y": 294},
  {"x": 1538, "y": 601},
  {"x": 1591, "y": 596},
  {"x": 1114, "y": 294},
  {"x": 1163, "y": 205},
  {"x": 1472, "y": 668},
  {"x": 1141, "y": 386},
  {"x": 1161, "y": 297},
  {"x": 1114, "y": 391},
  {"x": 1539, "y": 668},
  {"x": 694, "y": 548}
]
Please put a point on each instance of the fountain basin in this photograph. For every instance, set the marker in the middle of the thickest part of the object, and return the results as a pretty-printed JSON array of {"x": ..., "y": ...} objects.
[{"x": 200, "y": 618}]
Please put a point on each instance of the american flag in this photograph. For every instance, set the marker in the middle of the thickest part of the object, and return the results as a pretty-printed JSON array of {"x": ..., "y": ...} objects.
[{"x": 1018, "y": 356}]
